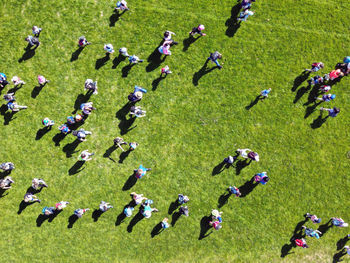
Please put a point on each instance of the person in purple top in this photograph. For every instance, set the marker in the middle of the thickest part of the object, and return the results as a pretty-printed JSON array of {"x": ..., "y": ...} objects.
[
  {"x": 261, "y": 178},
  {"x": 331, "y": 112},
  {"x": 326, "y": 97}
]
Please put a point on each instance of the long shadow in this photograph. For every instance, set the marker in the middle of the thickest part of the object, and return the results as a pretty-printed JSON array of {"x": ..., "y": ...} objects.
[
  {"x": 175, "y": 217},
  {"x": 155, "y": 59},
  {"x": 2, "y": 191},
  {"x": 156, "y": 82},
  {"x": 96, "y": 214},
  {"x": 325, "y": 227},
  {"x": 137, "y": 218},
  {"x": 205, "y": 227},
  {"x": 315, "y": 91},
  {"x": 71, "y": 220},
  {"x": 297, "y": 233},
  {"x": 253, "y": 103},
  {"x": 4, "y": 173},
  {"x": 285, "y": 250},
  {"x": 115, "y": 17},
  {"x": 118, "y": 60},
  {"x": 173, "y": 206},
  {"x": 8, "y": 117},
  {"x": 82, "y": 98},
  {"x": 342, "y": 242},
  {"x": 23, "y": 205},
  {"x": 157, "y": 230},
  {"x": 219, "y": 168},
  {"x": 76, "y": 53},
  {"x": 76, "y": 168},
  {"x": 299, "y": 80},
  {"x": 58, "y": 138},
  {"x": 203, "y": 71},
  {"x": 15, "y": 89},
  {"x": 120, "y": 218},
  {"x": 223, "y": 199},
  {"x": 232, "y": 23},
  {"x": 3, "y": 109},
  {"x": 33, "y": 191},
  {"x": 317, "y": 123},
  {"x": 310, "y": 109},
  {"x": 53, "y": 216},
  {"x": 240, "y": 165},
  {"x": 121, "y": 114},
  {"x": 126, "y": 70},
  {"x": 102, "y": 61},
  {"x": 298, "y": 229},
  {"x": 41, "y": 219},
  {"x": 41, "y": 132},
  {"x": 187, "y": 42},
  {"x": 69, "y": 148},
  {"x": 301, "y": 93},
  {"x": 124, "y": 155},
  {"x": 109, "y": 151},
  {"x": 130, "y": 182},
  {"x": 125, "y": 125},
  {"x": 28, "y": 54},
  {"x": 247, "y": 187},
  {"x": 337, "y": 257}
]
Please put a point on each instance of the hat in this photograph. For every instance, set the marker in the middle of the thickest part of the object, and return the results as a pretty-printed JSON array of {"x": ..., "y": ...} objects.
[
  {"x": 201, "y": 27},
  {"x": 333, "y": 96},
  {"x": 138, "y": 94}
]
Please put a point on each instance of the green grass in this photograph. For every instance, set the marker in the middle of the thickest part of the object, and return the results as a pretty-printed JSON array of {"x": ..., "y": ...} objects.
[{"x": 188, "y": 130}]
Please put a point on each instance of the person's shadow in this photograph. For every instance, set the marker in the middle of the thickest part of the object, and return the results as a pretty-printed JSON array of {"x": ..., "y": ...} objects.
[
  {"x": 124, "y": 155},
  {"x": 109, "y": 151},
  {"x": 223, "y": 199},
  {"x": 157, "y": 230},
  {"x": 76, "y": 168},
  {"x": 337, "y": 257},
  {"x": 299, "y": 80},
  {"x": 315, "y": 91},
  {"x": 310, "y": 109},
  {"x": 2, "y": 191},
  {"x": 76, "y": 53},
  {"x": 125, "y": 124},
  {"x": 69, "y": 148},
  {"x": 219, "y": 168},
  {"x": 205, "y": 227},
  {"x": 176, "y": 216},
  {"x": 342, "y": 242},
  {"x": 82, "y": 98},
  {"x": 187, "y": 42},
  {"x": 137, "y": 218},
  {"x": 297, "y": 233},
  {"x": 71, "y": 220},
  {"x": 42, "y": 218},
  {"x": 102, "y": 61},
  {"x": 28, "y": 54},
  {"x": 203, "y": 71},
  {"x": 15, "y": 89},
  {"x": 175, "y": 204},
  {"x": 117, "y": 60},
  {"x": 319, "y": 121},
  {"x": 301, "y": 93},
  {"x": 130, "y": 182},
  {"x": 155, "y": 59},
  {"x": 8, "y": 117},
  {"x": 248, "y": 187},
  {"x": 23, "y": 205},
  {"x": 58, "y": 138},
  {"x": 115, "y": 17},
  {"x": 126, "y": 70},
  {"x": 325, "y": 227},
  {"x": 240, "y": 165},
  {"x": 253, "y": 103},
  {"x": 37, "y": 89},
  {"x": 286, "y": 248},
  {"x": 41, "y": 132},
  {"x": 96, "y": 214},
  {"x": 156, "y": 82},
  {"x": 232, "y": 24}
]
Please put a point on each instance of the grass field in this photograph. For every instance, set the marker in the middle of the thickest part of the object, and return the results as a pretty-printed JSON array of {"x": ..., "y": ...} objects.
[{"x": 191, "y": 125}]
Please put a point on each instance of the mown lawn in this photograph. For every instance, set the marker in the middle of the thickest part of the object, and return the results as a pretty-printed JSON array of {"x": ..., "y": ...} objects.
[{"x": 190, "y": 127}]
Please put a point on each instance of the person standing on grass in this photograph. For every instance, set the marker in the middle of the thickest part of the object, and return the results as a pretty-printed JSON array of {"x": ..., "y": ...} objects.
[
  {"x": 14, "y": 107},
  {"x": 82, "y": 42},
  {"x": 42, "y": 80},
  {"x": 6, "y": 182},
  {"x": 184, "y": 210},
  {"x": 165, "y": 48},
  {"x": 61, "y": 205},
  {"x": 119, "y": 142},
  {"x": 248, "y": 154},
  {"x": 243, "y": 16},
  {"x": 165, "y": 71},
  {"x": 84, "y": 156},
  {"x": 216, "y": 215},
  {"x": 339, "y": 222},
  {"x": 36, "y": 31},
  {"x": 265, "y": 93},
  {"x": 32, "y": 41},
  {"x": 246, "y": 4},
  {"x": 141, "y": 171},
  {"x": 91, "y": 86},
  {"x": 334, "y": 74},
  {"x": 197, "y": 30},
  {"x": 138, "y": 198},
  {"x": 146, "y": 209},
  {"x": 80, "y": 212},
  {"x": 230, "y": 160},
  {"x": 133, "y": 146},
  {"x": 123, "y": 51},
  {"x": 182, "y": 199},
  {"x": 234, "y": 190},
  {"x": 9, "y": 97},
  {"x": 315, "y": 67},
  {"x": 325, "y": 88},
  {"x": 47, "y": 122},
  {"x": 3, "y": 80},
  {"x": 313, "y": 218},
  {"x": 137, "y": 94},
  {"x": 122, "y": 6},
  {"x": 108, "y": 48},
  {"x": 128, "y": 211},
  {"x": 104, "y": 207},
  {"x": 7, "y": 166},
  {"x": 301, "y": 243},
  {"x": 137, "y": 111},
  {"x": 64, "y": 128},
  {"x": 30, "y": 198},
  {"x": 47, "y": 211},
  {"x": 261, "y": 178},
  {"x": 331, "y": 112},
  {"x": 87, "y": 108},
  {"x": 135, "y": 59},
  {"x": 165, "y": 223},
  {"x": 17, "y": 81},
  {"x": 81, "y": 134},
  {"x": 38, "y": 183},
  {"x": 214, "y": 57},
  {"x": 312, "y": 233},
  {"x": 215, "y": 224},
  {"x": 326, "y": 97},
  {"x": 168, "y": 37}
]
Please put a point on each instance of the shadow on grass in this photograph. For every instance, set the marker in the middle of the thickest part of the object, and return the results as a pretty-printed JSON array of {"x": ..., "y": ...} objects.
[
  {"x": 176, "y": 216},
  {"x": 173, "y": 206},
  {"x": 124, "y": 155},
  {"x": 310, "y": 109},
  {"x": 137, "y": 218},
  {"x": 253, "y": 103},
  {"x": 8, "y": 117},
  {"x": 2, "y": 191},
  {"x": 157, "y": 230},
  {"x": 76, "y": 53},
  {"x": 248, "y": 187},
  {"x": 317, "y": 123},
  {"x": 325, "y": 227},
  {"x": 23, "y": 205},
  {"x": 109, "y": 151},
  {"x": 342, "y": 242},
  {"x": 130, "y": 182},
  {"x": 205, "y": 227},
  {"x": 115, "y": 17},
  {"x": 297, "y": 233},
  {"x": 41, "y": 132},
  {"x": 125, "y": 124},
  {"x": 223, "y": 199},
  {"x": 102, "y": 61},
  {"x": 187, "y": 42},
  {"x": 69, "y": 148},
  {"x": 301, "y": 92},
  {"x": 232, "y": 24},
  {"x": 28, "y": 54},
  {"x": 42, "y": 218},
  {"x": 71, "y": 220},
  {"x": 126, "y": 70},
  {"x": 58, "y": 138},
  {"x": 203, "y": 71},
  {"x": 82, "y": 98},
  {"x": 118, "y": 60},
  {"x": 156, "y": 82},
  {"x": 299, "y": 80},
  {"x": 155, "y": 59},
  {"x": 337, "y": 257},
  {"x": 76, "y": 168},
  {"x": 96, "y": 214},
  {"x": 240, "y": 165}
]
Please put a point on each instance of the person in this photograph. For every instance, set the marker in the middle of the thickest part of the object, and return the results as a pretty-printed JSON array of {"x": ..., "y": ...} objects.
[
  {"x": 6, "y": 182},
  {"x": 197, "y": 30},
  {"x": 135, "y": 59},
  {"x": 325, "y": 88},
  {"x": 47, "y": 122},
  {"x": 42, "y": 80},
  {"x": 91, "y": 86},
  {"x": 214, "y": 58},
  {"x": 119, "y": 142},
  {"x": 216, "y": 215},
  {"x": 315, "y": 67},
  {"x": 183, "y": 210},
  {"x": 81, "y": 134},
  {"x": 138, "y": 198},
  {"x": 146, "y": 209},
  {"x": 29, "y": 197},
  {"x": 215, "y": 224},
  {"x": 234, "y": 190},
  {"x": 347, "y": 249},
  {"x": 141, "y": 171},
  {"x": 243, "y": 16},
  {"x": 137, "y": 94},
  {"x": 230, "y": 160},
  {"x": 261, "y": 178},
  {"x": 47, "y": 211},
  {"x": 38, "y": 183},
  {"x": 7, "y": 166},
  {"x": 87, "y": 108},
  {"x": 249, "y": 154},
  {"x": 123, "y": 51},
  {"x": 265, "y": 93},
  {"x": 13, "y": 106},
  {"x": 104, "y": 206},
  {"x": 9, "y": 97},
  {"x": 167, "y": 37},
  {"x": 316, "y": 80},
  {"x": 165, "y": 48},
  {"x": 326, "y": 97},
  {"x": 334, "y": 74},
  {"x": 82, "y": 42},
  {"x": 331, "y": 112},
  {"x": 17, "y": 81},
  {"x": 246, "y": 4},
  {"x": 84, "y": 156},
  {"x": 182, "y": 199},
  {"x": 301, "y": 243},
  {"x": 64, "y": 128},
  {"x": 128, "y": 211},
  {"x": 3, "y": 80},
  {"x": 122, "y": 5},
  {"x": 133, "y": 146},
  {"x": 165, "y": 71},
  {"x": 32, "y": 41},
  {"x": 36, "y": 31},
  {"x": 80, "y": 212},
  {"x": 312, "y": 233},
  {"x": 165, "y": 223},
  {"x": 61, "y": 205},
  {"x": 137, "y": 111},
  {"x": 108, "y": 48},
  {"x": 313, "y": 218},
  {"x": 339, "y": 222}
]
